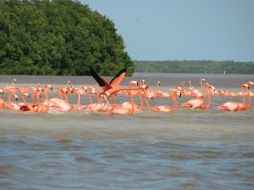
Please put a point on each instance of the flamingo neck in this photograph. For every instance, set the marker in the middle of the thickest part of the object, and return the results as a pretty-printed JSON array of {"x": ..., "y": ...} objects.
[
  {"x": 78, "y": 103},
  {"x": 173, "y": 97},
  {"x": 157, "y": 89},
  {"x": 66, "y": 98},
  {"x": 209, "y": 98},
  {"x": 201, "y": 84},
  {"x": 183, "y": 82},
  {"x": 59, "y": 95},
  {"x": 90, "y": 98},
  {"x": 141, "y": 100},
  {"x": 147, "y": 104},
  {"x": 243, "y": 95},
  {"x": 249, "y": 99},
  {"x": 9, "y": 99},
  {"x": 23, "y": 99},
  {"x": 132, "y": 105}
]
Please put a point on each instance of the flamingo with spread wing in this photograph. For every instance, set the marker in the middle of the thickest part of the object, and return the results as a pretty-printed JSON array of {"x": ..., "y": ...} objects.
[{"x": 112, "y": 87}]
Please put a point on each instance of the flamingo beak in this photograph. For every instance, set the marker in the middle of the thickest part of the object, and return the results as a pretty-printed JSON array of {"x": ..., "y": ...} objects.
[
  {"x": 180, "y": 94},
  {"x": 51, "y": 88},
  {"x": 16, "y": 99}
]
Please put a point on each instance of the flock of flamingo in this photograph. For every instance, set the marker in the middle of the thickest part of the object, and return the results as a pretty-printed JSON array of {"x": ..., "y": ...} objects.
[{"x": 101, "y": 96}]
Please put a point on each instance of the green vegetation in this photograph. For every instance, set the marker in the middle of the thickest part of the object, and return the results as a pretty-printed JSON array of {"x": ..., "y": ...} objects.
[
  {"x": 58, "y": 37},
  {"x": 217, "y": 67}
]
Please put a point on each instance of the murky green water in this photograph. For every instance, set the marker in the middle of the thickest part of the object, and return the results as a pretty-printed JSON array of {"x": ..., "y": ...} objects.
[{"x": 204, "y": 149}]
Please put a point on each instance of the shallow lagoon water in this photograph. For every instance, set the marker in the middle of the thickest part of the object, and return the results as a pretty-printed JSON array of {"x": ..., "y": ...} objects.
[{"x": 204, "y": 149}]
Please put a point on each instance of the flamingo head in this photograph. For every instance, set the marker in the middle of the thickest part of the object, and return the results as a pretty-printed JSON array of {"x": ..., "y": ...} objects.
[
  {"x": 133, "y": 82},
  {"x": 158, "y": 83},
  {"x": 48, "y": 86},
  {"x": 26, "y": 95},
  {"x": 210, "y": 86},
  {"x": 143, "y": 81},
  {"x": 245, "y": 85},
  {"x": 70, "y": 89},
  {"x": 14, "y": 80},
  {"x": 175, "y": 91},
  {"x": 16, "y": 97},
  {"x": 85, "y": 88},
  {"x": 1, "y": 91},
  {"x": 251, "y": 83}
]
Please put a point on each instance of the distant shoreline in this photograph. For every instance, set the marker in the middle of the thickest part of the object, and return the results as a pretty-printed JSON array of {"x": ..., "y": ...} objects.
[{"x": 195, "y": 66}]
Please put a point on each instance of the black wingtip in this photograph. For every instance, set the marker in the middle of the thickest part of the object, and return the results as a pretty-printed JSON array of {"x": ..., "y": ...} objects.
[
  {"x": 98, "y": 79},
  {"x": 124, "y": 70}
]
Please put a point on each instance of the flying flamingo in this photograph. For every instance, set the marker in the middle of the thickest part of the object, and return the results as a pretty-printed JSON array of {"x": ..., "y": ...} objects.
[
  {"x": 109, "y": 88},
  {"x": 237, "y": 106},
  {"x": 166, "y": 108},
  {"x": 200, "y": 102}
]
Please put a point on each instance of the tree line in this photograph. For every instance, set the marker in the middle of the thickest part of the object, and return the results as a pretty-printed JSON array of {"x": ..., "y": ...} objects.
[
  {"x": 205, "y": 66},
  {"x": 58, "y": 37}
]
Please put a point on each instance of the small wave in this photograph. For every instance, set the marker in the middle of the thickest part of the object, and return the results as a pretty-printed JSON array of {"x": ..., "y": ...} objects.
[
  {"x": 248, "y": 155},
  {"x": 83, "y": 159}
]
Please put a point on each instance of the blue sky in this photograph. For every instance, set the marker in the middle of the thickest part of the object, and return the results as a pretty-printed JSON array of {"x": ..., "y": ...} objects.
[{"x": 183, "y": 29}]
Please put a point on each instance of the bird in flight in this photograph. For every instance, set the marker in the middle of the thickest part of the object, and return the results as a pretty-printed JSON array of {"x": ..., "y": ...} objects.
[{"x": 112, "y": 87}]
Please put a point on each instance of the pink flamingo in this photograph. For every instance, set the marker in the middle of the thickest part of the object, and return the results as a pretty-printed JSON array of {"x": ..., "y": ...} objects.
[
  {"x": 79, "y": 91},
  {"x": 11, "y": 89},
  {"x": 167, "y": 108},
  {"x": 122, "y": 109},
  {"x": 11, "y": 105},
  {"x": 237, "y": 106},
  {"x": 65, "y": 90},
  {"x": 197, "y": 93},
  {"x": 109, "y": 88},
  {"x": 2, "y": 102},
  {"x": 200, "y": 102},
  {"x": 159, "y": 93},
  {"x": 24, "y": 106}
]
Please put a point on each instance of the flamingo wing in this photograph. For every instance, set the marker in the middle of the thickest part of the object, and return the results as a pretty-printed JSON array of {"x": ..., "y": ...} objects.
[
  {"x": 118, "y": 78},
  {"x": 101, "y": 81}
]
